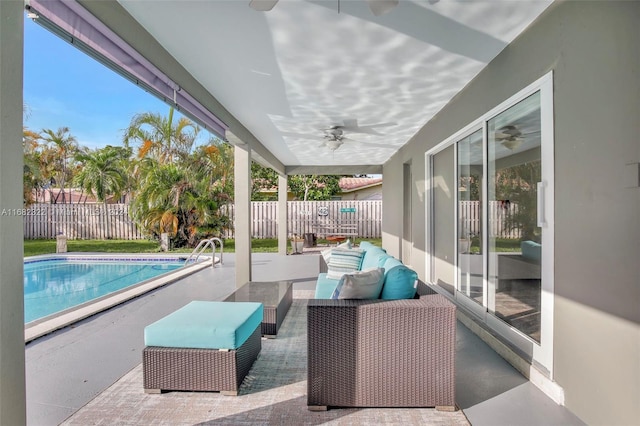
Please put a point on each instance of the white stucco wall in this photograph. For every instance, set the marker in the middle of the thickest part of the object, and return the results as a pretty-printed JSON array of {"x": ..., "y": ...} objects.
[{"x": 592, "y": 48}]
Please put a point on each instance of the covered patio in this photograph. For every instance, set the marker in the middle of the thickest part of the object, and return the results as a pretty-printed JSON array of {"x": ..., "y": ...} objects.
[
  {"x": 97, "y": 376},
  {"x": 336, "y": 87}
]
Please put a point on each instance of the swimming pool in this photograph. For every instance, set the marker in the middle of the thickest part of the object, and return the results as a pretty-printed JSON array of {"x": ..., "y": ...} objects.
[{"x": 58, "y": 286}]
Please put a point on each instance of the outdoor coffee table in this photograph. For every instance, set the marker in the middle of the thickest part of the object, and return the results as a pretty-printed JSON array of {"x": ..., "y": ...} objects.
[{"x": 276, "y": 296}]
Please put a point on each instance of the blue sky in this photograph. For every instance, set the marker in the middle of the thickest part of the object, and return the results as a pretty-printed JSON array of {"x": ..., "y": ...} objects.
[{"x": 65, "y": 87}]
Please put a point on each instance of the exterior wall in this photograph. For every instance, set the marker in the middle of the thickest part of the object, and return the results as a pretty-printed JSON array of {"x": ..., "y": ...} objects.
[
  {"x": 592, "y": 48},
  {"x": 12, "y": 371},
  {"x": 391, "y": 214},
  {"x": 361, "y": 194}
]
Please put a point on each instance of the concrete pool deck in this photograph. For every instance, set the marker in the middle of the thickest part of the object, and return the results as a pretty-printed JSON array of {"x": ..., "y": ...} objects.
[{"x": 68, "y": 368}]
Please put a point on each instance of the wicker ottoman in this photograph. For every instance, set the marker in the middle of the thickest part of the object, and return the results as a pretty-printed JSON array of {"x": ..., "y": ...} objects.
[{"x": 203, "y": 346}]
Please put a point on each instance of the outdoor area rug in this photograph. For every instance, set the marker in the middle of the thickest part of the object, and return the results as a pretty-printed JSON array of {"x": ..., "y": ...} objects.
[{"x": 273, "y": 393}]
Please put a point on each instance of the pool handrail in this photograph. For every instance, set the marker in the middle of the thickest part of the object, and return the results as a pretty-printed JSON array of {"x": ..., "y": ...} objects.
[{"x": 202, "y": 246}]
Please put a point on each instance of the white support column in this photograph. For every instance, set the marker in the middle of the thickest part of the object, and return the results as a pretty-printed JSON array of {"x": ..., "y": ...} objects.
[
  {"x": 12, "y": 371},
  {"x": 242, "y": 174},
  {"x": 282, "y": 215}
]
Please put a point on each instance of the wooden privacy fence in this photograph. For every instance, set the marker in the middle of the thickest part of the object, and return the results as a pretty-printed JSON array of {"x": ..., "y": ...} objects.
[
  {"x": 357, "y": 218},
  {"x": 470, "y": 215},
  {"x": 92, "y": 221},
  {"x": 79, "y": 221}
]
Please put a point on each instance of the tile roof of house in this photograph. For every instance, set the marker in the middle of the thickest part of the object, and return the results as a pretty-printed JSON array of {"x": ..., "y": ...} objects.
[
  {"x": 347, "y": 184},
  {"x": 352, "y": 184},
  {"x": 71, "y": 195}
]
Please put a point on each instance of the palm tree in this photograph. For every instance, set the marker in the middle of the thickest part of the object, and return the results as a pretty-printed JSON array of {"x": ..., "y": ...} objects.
[
  {"x": 183, "y": 198},
  {"x": 214, "y": 162},
  {"x": 32, "y": 179},
  {"x": 170, "y": 199},
  {"x": 103, "y": 171},
  {"x": 158, "y": 138},
  {"x": 178, "y": 188},
  {"x": 103, "y": 174},
  {"x": 63, "y": 146}
]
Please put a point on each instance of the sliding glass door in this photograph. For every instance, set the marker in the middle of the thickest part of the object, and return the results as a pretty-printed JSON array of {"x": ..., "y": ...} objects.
[
  {"x": 490, "y": 213},
  {"x": 469, "y": 212},
  {"x": 514, "y": 172}
]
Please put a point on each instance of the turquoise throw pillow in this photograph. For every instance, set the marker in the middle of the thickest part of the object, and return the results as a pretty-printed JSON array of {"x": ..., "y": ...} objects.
[
  {"x": 400, "y": 282},
  {"x": 366, "y": 245},
  {"x": 531, "y": 250},
  {"x": 373, "y": 258}
]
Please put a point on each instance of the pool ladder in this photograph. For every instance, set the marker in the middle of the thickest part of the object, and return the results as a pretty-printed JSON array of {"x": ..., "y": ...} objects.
[{"x": 202, "y": 246}]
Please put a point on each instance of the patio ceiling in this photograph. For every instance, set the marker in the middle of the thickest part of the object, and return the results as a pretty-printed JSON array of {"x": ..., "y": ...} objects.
[{"x": 288, "y": 74}]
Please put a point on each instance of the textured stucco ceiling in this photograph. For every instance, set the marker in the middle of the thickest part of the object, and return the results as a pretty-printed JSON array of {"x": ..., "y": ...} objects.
[{"x": 289, "y": 73}]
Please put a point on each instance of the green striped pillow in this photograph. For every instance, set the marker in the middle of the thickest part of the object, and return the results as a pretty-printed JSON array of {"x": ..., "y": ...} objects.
[{"x": 343, "y": 261}]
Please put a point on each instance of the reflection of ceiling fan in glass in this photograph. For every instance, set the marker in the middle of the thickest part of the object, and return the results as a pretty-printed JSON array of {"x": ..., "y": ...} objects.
[
  {"x": 511, "y": 137},
  {"x": 378, "y": 7}
]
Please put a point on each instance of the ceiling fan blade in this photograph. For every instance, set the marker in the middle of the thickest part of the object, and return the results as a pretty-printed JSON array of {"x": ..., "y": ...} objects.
[
  {"x": 262, "y": 5},
  {"x": 352, "y": 126},
  {"x": 302, "y": 135},
  {"x": 350, "y": 123},
  {"x": 376, "y": 145},
  {"x": 380, "y": 7}
]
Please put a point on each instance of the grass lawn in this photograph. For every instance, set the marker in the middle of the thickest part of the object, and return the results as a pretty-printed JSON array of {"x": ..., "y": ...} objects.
[{"x": 35, "y": 247}]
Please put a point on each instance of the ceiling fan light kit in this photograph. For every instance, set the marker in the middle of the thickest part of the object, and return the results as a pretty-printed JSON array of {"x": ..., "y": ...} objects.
[
  {"x": 333, "y": 133},
  {"x": 333, "y": 144},
  {"x": 511, "y": 143}
]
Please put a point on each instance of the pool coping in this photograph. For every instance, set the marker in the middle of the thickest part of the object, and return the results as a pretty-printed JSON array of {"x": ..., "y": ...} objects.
[{"x": 43, "y": 326}]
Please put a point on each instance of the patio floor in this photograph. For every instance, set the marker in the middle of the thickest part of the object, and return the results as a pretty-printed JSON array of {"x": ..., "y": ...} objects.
[
  {"x": 274, "y": 392},
  {"x": 90, "y": 373}
]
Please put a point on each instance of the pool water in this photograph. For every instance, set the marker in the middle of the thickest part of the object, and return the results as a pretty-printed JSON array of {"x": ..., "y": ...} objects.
[{"x": 54, "y": 285}]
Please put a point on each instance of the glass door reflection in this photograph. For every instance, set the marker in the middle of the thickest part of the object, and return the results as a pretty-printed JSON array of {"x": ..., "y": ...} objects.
[
  {"x": 514, "y": 171},
  {"x": 469, "y": 204}
]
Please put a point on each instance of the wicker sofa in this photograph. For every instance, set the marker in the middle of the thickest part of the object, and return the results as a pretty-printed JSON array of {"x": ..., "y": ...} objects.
[{"x": 382, "y": 353}]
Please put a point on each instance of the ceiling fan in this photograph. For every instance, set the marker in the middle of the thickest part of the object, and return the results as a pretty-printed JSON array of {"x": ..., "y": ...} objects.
[
  {"x": 334, "y": 135},
  {"x": 351, "y": 125},
  {"x": 378, "y": 7}
]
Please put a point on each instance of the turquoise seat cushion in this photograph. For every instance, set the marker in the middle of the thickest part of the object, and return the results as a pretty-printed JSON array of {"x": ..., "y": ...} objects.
[
  {"x": 400, "y": 282},
  {"x": 374, "y": 257},
  {"x": 206, "y": 325},
  {"x": 531, "y": 250},
  {"x": 325, "y": 287}
]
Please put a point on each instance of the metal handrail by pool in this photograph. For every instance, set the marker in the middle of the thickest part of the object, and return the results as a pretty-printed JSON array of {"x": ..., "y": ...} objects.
[{"x": 202, "y": 246}]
